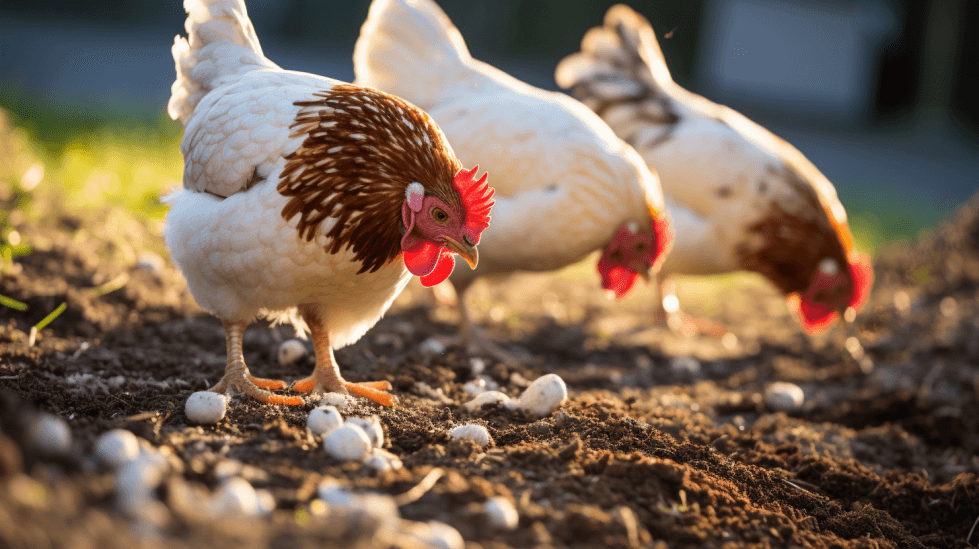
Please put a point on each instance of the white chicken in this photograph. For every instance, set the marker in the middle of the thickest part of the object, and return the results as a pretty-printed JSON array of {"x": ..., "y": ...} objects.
[
  {"x": 740, "y": 197},
  {"x": 305, "y": 199},
  {"x": 565, "y": 184}
]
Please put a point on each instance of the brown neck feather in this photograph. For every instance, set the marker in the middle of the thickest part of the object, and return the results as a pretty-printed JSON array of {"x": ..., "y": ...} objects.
[{"x": 362, "y": 149}]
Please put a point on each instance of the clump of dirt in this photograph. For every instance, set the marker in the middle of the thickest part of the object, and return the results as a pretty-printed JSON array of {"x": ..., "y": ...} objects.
[{"x": 653, "y": 446}]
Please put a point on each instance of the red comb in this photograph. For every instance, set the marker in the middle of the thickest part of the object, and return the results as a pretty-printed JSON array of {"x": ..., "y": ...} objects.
[{"x": 477, "y": 199}]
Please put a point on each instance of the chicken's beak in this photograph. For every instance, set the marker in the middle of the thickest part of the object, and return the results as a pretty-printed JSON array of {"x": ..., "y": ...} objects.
[{"x": 467, "y": 252}]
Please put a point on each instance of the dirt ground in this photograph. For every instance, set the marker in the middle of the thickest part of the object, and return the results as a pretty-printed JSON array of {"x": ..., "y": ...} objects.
[{"x": 664, "y": 439}]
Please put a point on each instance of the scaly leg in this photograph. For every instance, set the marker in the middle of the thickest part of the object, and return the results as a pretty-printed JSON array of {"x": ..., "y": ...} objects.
[
  {"x": 236, "y": 374},
  {"x": 326, "y": 376}
]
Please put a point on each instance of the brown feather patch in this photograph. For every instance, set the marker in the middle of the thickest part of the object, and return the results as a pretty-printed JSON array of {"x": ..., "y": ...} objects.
[
  {"x": 362, "y": 149},
  {"x": 792, "y": 245}
]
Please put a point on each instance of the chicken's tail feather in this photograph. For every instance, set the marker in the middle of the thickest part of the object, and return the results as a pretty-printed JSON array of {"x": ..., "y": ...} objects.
[
  {"x": 221, "y": 43},
  {"x": 620, "y": 61},
  {"x": 405, "y": 46}
]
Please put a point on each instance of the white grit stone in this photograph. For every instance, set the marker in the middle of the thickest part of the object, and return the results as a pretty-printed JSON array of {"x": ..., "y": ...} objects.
[
  {"x": 235, "y": 496},
  {"x": 266, "y": 502},
  {"x": 480, "y": 385},
  {"x": 348, "y": 443},
  {"x": 372, "y": 427},
  {"x": 432, "y": 534},
  {"x": 783, "y": 396},
  {"x": 473, "y": 432},
  {"x": 489, "y": 397},
  {"x": 116, "y": 447},
  {"x": 545, "y": 395},
  {"x": 432, "y": 346},
  {"x": 323, "y": 420},
  {"x": 338, "y": 400},
  {"x": 206, "y": 407},
  {"x": 382, "y": 508},
  {"x": 382, "y": 461},
  {"x": 49, "y": 435},
  {"x": 500, "y": 513},
  {"x": 136, "y": 480},
  {"x": 291, "y": 351}
]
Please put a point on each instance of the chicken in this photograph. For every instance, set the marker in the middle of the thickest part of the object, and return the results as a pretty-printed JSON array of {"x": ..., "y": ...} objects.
[
  {"x": 565, "y": 185},
  {"x": 740, "y": 197},
  {"x": 305, "y": 199}
]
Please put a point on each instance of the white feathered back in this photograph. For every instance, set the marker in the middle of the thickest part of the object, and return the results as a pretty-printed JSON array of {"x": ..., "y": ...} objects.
[
  {"x": 410, "y": 37},
  {"x": 221, "y": 44}
]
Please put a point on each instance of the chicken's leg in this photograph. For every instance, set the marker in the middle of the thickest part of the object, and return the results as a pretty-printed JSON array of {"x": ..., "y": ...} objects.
[
  {"x": 476, "y": 342},
  {"x": 326, "y": 375},
  {"x": 668, "y": 312},
  {"x": 236, "y": 373}
]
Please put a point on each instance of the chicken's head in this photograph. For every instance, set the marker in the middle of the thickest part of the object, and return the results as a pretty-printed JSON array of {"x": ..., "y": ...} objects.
[
  {"x": 634, "y": 252},
  {"x": 436, "y": 228},
  {"x": 833, "y": 291}
]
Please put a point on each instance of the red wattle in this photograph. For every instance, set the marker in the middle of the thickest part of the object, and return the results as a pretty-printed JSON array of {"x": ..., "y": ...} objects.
[
  {"x": 421, "y": 257},
  {"x": 863, "y": 278},
  {"x": 441, "y": 271},
  {"x": 815, "y": 317},
  {"x": 618, "y": 279}
]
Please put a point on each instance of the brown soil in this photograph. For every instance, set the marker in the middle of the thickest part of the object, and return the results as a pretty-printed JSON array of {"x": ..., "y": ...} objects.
[{"x": 650, "y": 448}]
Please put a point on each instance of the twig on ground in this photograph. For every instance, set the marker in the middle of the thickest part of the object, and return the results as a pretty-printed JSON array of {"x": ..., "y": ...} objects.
[
  {"x": 419, "y": 490},
  {"x": 971, "y": 530}
]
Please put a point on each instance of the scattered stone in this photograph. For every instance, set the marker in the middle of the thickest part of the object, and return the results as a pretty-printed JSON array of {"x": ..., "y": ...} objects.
[
  {"x": 206, "y": 407},
  {"x": 431, "y": 346},
  {"x": 431, "y": 534},
  {"x": 480, "y": 385},
  {"x": 116, "y": 447},
  {"x": 473, "y": 432},
  {"x": 372, "y": 427},
  {"x": 49, "y": 435},
  {"x": 339, "y": 401},
  {"x": 783, "y": 396},
  {"x": 489, "y": 397},
  {"x": 235, "y": 496},
  {"x": 685, "y": 368},
  {"x": 382, "y": 461},
  {"x": 348, "y": 443},
  {"x": 292, "y": 351},
  {"x": 324, "y": 419},
  {"x": 500, "y": 513},
  {"x": 426, "y": 390},
  {"x": 544, "y": 396},
  {"x": 151, "y": 262}
]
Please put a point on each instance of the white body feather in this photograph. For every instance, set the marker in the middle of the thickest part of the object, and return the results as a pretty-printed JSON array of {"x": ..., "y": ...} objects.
[
  {"x": 721, "y": 173},
  {"x": 225, "y": 230},
  {"x": 564, "y": 182}
]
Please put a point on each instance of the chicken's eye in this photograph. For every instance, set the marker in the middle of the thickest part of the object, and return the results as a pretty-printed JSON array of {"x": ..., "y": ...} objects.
[
  {"x": 640, "y": 247},
  {"x": 439, "y": 215}
]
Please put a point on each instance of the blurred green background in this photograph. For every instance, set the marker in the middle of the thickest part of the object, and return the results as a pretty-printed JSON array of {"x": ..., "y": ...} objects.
[{"x": 880, "y": 94}]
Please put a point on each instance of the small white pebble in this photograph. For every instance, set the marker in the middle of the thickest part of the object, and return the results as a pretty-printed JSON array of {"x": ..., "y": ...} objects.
[
  {"x": 116, "y": 447},
  {"x": 136, "y": 480},
  {"x": 266, "y": 502},
  {"x": 426, "y": 390},
  {"x": 783, "y": 396},
  {"x": 380, "y": 507},
  {"x": 372, "y": 427},
  {"x": 49, "y": 435},
  {"x": 206, "y": 407},
  {"x": 382, "y": 461},
  {"x": 500, "y": 513},
  {"x": 323, "y": 420},
  {"x": 478, "y": 365},
  {"x": 545, "y": 395},
  {"x": 489, "y": 397},
  {"x": 291, "y": 351},
  {"x": 480, "y": 385},
  {"x": 348, "y": 443},
  {"x": 685, "y": 367},
  {"x": 473, "y": 432},
  {"x": 432, "y": 534},
  {"x": 339, "y": 401},
  {"x": 235, "y": 496},
  {"x": 431, "y": 346}
]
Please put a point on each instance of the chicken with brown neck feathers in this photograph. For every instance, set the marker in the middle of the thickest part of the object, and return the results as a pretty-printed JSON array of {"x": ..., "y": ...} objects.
[{"x": 305, "y": 199}]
